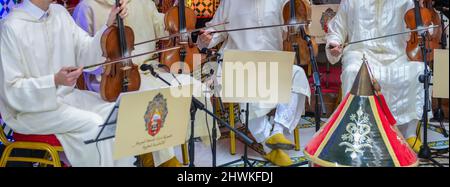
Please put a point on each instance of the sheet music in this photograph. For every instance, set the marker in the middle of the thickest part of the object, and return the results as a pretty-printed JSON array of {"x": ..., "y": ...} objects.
[{"x": 441, "y": 78}]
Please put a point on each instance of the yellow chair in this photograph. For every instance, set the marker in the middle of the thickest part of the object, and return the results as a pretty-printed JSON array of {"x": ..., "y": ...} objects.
[
  {"x": 232, "y": 121},
  {"x": 297, "y": 138},
  {"x": 51, "y": 157},
  {"x": 51, "y": 151}
]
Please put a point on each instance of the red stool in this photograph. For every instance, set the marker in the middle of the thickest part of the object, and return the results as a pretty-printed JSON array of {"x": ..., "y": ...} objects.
[
  {"x": 48, "y": 139},
  {"x": 330, "y": 82}
]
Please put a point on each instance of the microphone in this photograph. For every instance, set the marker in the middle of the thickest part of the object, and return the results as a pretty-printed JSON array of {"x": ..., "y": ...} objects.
[
  {"x": 147, "y": 67},
  {"x": 204, "y": 51},
  {"x": 306, "y": 37},
  {"x": 163, "y": 66},
  {"x": 209, "y": 52}
]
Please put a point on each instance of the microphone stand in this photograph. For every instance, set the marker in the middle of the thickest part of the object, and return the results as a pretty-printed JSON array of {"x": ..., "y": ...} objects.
[
  {"x": 244, "y": 158},
  {"x": 425, "y": 151},
  {"x": 150, "y": 68},
  {"x": 195, "y": 106},
  {"x": 319, "y": 104},
  {"x": 221, "y": 109},
  {"x": 216, "y": 94}
]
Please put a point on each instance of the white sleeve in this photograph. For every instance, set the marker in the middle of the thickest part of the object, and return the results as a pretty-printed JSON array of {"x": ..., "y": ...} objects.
[
  {"x": 158, "y": 20},
  {"x": 337, "y": 30},
  {"x": 221, "y": 16},
  {"x": 22, "y": 93}
]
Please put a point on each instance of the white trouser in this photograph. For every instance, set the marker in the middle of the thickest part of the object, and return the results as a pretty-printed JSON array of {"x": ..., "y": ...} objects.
[
  {"x": 409, "y": 130},
  {"x": 286, "y": 120},
  {"x": 76, "y": 120}
]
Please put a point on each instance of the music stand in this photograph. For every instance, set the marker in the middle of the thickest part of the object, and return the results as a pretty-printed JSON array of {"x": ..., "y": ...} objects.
[
  {"x": 108, "y": 129},
  {"x": 195, "y": 106},
  {"x": 247, "y": 59}
]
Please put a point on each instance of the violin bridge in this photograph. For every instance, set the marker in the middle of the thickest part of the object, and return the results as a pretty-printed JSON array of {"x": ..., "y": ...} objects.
[
  {"x": 184, "y": 43},
  {"x": 125, "y": 68}
]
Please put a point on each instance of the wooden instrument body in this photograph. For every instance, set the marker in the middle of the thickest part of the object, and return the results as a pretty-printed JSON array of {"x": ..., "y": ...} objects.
[
  {"x": 414, "y": 19},
  {"x": 301, "y": 13},
  {"x": 180, "y": 19},
  {"x": 435, "y": 38},
  {"x": 113, "y": 75},
  {"x": 118, "y": 42}
]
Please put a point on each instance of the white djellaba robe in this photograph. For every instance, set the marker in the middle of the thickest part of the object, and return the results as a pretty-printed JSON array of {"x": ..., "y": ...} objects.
[
  {"x": 34, "y": 45},
  {"x": 357, "y": 20},
  {"x": 147, "y": 23},
  {"x": 250, "y": 13}
]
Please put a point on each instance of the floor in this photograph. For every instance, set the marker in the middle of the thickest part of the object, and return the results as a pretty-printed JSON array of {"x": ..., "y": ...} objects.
[{"x": 203, "y": 156}]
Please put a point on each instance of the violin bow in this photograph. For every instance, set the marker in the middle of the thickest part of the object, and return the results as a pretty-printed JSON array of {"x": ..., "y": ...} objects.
[
  {"x": 130, "y": 57},
  {"x": 181, "y": 33},
  {"x": 221, "y": 31},
  {"x": 386, "y": 36},
  {"x": 262, "y": 27}
]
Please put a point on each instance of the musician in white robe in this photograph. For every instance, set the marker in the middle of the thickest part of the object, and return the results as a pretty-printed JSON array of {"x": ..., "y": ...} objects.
[
  {"x": 250, "y": 13},
  {"x": 41, "y": 50},
  {"x": 145, "y": 20},
  {"x": 398, "y": 77},
  {"x": 147, "y": 23}
]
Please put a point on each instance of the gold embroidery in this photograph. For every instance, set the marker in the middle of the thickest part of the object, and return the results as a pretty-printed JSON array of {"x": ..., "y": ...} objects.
[{"x": 356, "y": 138}]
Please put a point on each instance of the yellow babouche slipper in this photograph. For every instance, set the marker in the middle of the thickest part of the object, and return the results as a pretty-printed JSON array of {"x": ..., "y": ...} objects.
[
  {"x": 279, "y": 141},
  {"x": 147, "y": 161},
  {"x": 414, "y": 143},
  {"x": 172, "y": 163},
  {"x": 279, "y": 158}
]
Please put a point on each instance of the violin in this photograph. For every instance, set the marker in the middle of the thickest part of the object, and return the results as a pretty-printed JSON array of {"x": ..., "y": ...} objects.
[
  {"x": 419, "y": 17},
  {"x": 180, "y": 19},
  {"x": 298, "y": 11},
  {"x": 118, "y": 42},
  {"x": 435, "y": 38}
]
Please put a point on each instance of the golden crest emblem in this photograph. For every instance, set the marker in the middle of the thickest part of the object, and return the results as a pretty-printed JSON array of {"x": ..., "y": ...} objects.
[
  {"x": 155, "y": 115},
  {"x": 326, "y": 17}
]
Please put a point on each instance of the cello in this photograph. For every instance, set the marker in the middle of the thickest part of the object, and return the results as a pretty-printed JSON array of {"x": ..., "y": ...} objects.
[
  {"x": 297, "y": 11},
  {"x": 415, "y": 18},
  {"x": 118, "y": 42},
  {"x": 180, "y": 19}
]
